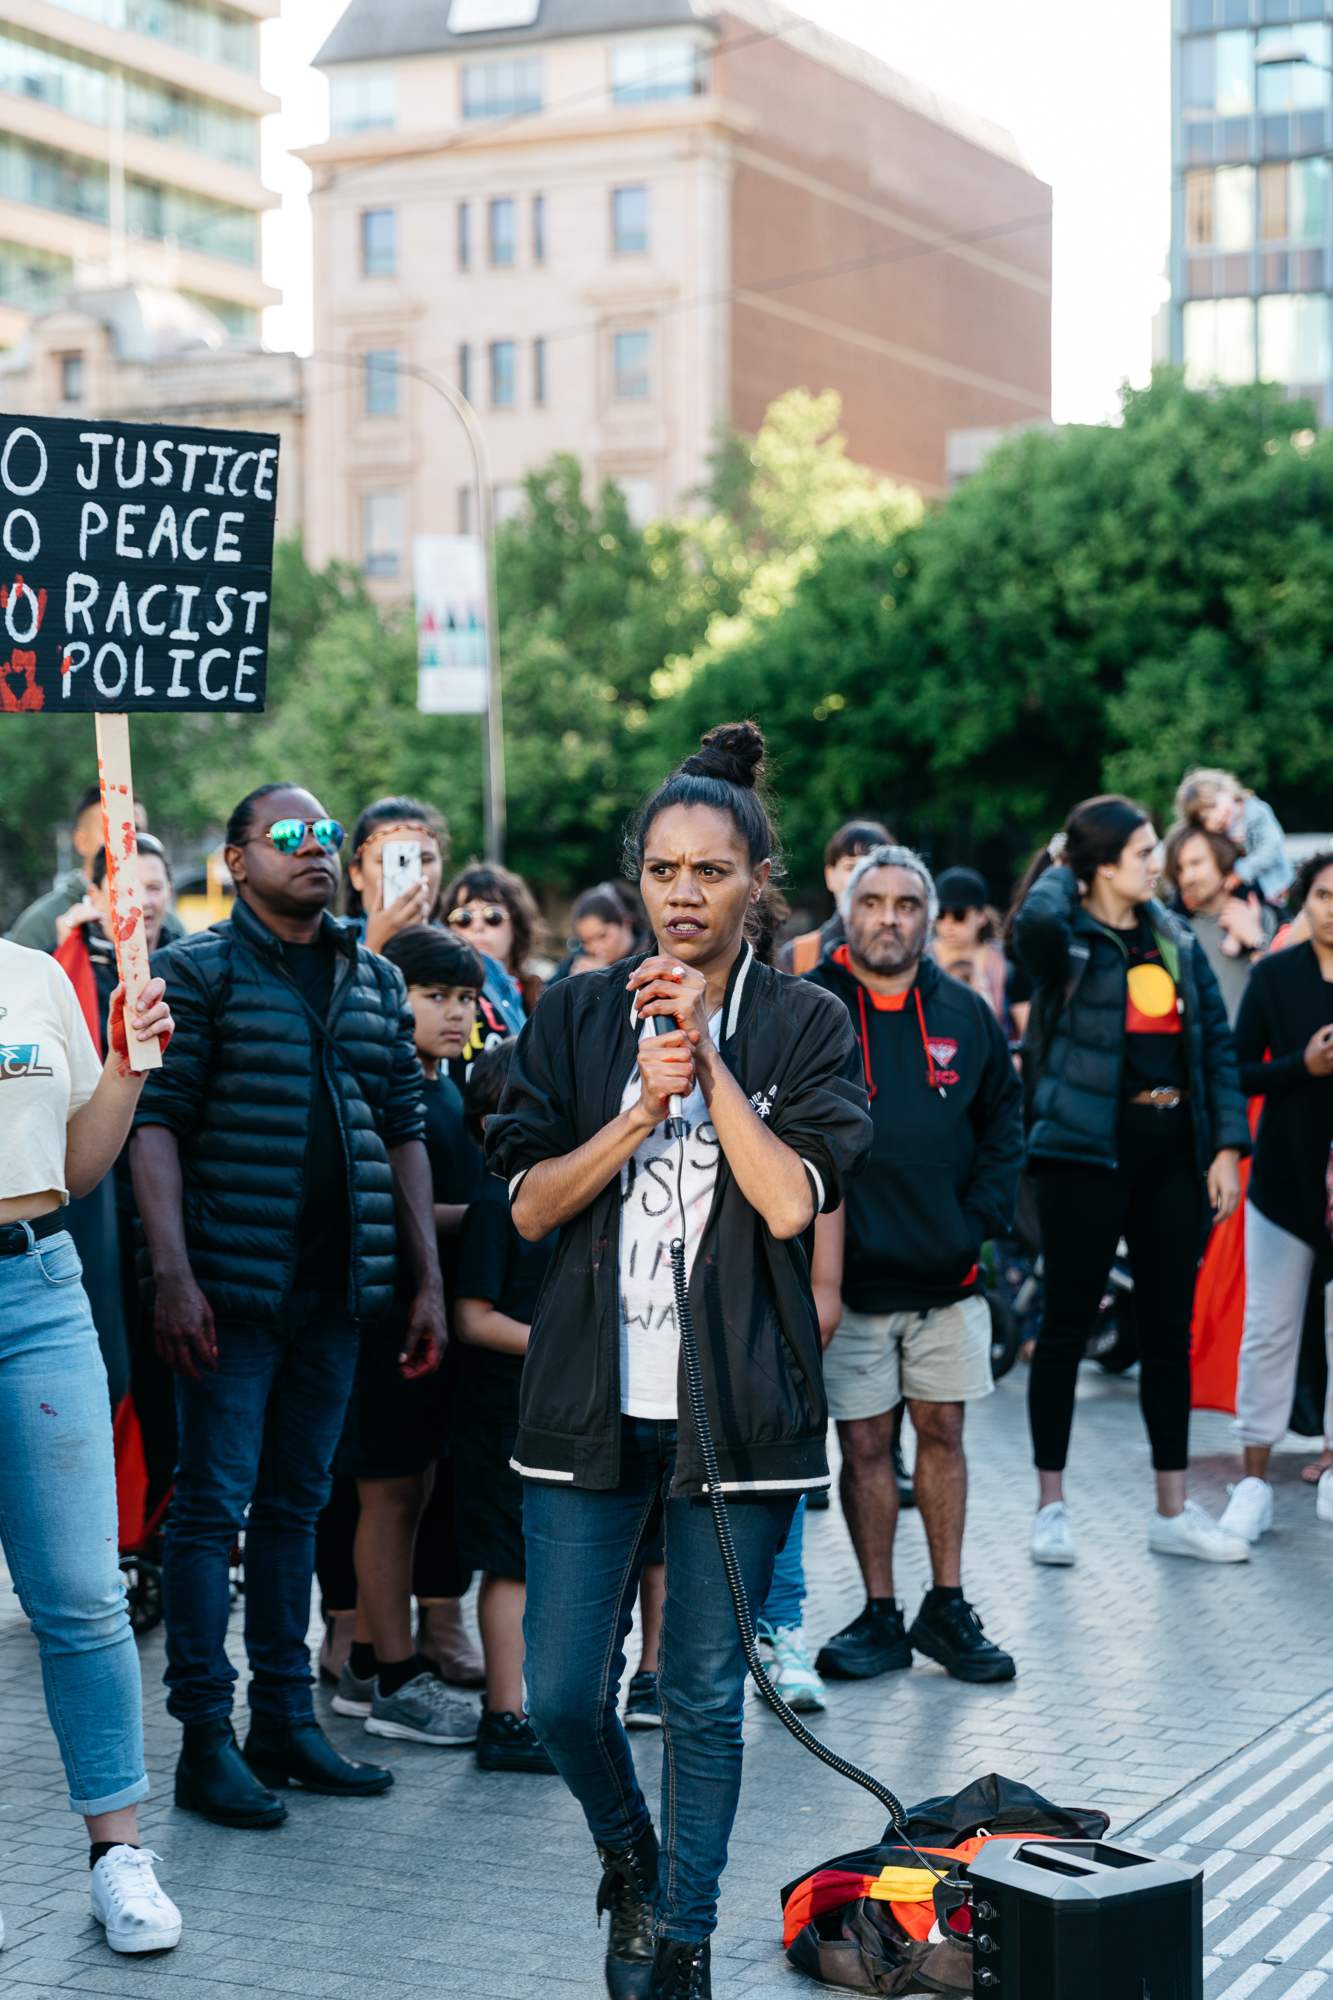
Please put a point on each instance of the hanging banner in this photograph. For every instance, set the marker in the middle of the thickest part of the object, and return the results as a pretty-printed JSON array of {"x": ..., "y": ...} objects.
[
  {"x": 137, "y": 566},
  {"x": 449, "y": 577}
]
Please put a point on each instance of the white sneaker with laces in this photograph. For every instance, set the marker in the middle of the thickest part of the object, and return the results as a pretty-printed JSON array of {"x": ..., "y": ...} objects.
[
  {"x": 789, "y": 1666},
  {"x": 1249, "y": 1511},
  {"x": 1323, "y": 1504},
  {"x": 128, "y": 1901},
  {"x": 1195, "y": 1533},
  {"x": 1052, "y": 1536}
]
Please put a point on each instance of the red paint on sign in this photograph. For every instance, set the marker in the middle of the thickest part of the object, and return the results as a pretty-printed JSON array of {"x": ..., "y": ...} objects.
[{"x": 29, "y": 696}]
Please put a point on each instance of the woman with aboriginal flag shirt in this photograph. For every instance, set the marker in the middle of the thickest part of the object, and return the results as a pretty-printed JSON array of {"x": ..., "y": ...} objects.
[{"x": 1134, "y": 1113}]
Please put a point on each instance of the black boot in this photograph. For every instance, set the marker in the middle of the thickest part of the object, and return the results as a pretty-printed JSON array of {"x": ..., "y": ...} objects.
[
  {"x": 680, "y": 1971},
  {"x": 281, "y": 1753},
  {"x": 629, "y": 1891},
  {"x": 214, "y": 1779}
]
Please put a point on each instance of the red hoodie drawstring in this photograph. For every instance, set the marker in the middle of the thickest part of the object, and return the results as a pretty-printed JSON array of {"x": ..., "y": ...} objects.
[
  {"x": 865, "y": 1044},
  {"x": 930, "y": 1060}
]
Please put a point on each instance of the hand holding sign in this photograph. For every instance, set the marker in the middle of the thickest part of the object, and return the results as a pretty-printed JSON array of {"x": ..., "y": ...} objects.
[{"x": 158, "y": 600}]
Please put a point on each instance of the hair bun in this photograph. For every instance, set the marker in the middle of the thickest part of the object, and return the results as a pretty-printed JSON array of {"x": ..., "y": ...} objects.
[{"x": 734, "y": 751}]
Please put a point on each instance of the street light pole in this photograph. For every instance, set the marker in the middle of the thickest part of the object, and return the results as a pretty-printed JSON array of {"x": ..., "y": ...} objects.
[{"x": 493, "y": 742}]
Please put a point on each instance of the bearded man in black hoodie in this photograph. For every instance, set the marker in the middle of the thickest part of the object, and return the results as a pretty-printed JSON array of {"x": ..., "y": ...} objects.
[{"x": 942, "y": 1178}]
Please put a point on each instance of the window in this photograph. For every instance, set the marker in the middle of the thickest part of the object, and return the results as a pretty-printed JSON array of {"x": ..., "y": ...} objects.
[
  {"x": 465, "y": 370},
  {"x": 629, "y": 221},
  {"x": 1233, "y": 208},
  {"x": 218, "y": 34},
  {"x": 539, "y": 373},
  {"x": 647, "y": 72},
  {"x": 363, "y": 100},
  {"x": 464, "y": 235},
  {"x": 1293, "y": 339},
  {"x": 1273, "y": 203},
  {"x": 502, "y": 374},
  {"x": 502, "y": 231},
  {"x": 507, "y": 501},
  {"x": 84, "y": 87},
  {"x": 502, "y": 89},
  {"x": 1307, "y": 202},
  {"x": 32, "y": 278},
  {"x": 381, "y": 366},
  {"x": 1219, "y": 341},
  {"x": 640, "y": 491},
  {"x": 71, "y": 378},
  {"x": 1233, "y": 75},
  {"x": 1197, "y": 72},
  {"x": 382, "y": 533},
  {"x": 379, "y": 242},
  {"x": 472, "y": 17},
  {"x": 1199, "y": 211},
  {"x": 539, "y": 229},
  {"x": 631, "y": 355},
  {"x": 1297, "y": 86}
]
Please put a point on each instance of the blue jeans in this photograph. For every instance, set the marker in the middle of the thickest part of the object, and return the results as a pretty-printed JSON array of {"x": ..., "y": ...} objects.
[
  {"x": 58, "y": 1522},
  {"x": 585, "y": 1552},
  {"x": 256, "y": 1449},
  {"x": 786, "y": 1593}
]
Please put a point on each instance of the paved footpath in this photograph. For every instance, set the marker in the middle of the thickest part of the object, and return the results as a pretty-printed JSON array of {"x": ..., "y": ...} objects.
[{"x": 1140, "y": 1680}]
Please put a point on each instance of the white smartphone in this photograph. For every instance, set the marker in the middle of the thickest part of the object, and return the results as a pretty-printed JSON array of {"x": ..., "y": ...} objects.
[{"x": 402, "y": 868}]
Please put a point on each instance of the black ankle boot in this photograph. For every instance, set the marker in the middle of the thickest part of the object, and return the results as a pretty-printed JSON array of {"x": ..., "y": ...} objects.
[
  {"x": 629, "y": 1891},
  {"x": 680, "y": 1971},
  {"x": 282, "y": 1752},
  {"x": 214, "y": 1779}
]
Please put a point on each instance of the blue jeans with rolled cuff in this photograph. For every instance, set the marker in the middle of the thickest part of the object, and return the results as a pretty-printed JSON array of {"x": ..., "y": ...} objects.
[
  {"x": 584, "y": 1554},
  {"x": 257, "y": 1440},
  {"x": 59, "y": 1526}
]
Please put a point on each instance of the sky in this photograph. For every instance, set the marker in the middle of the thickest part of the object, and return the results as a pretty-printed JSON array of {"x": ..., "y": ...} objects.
[{"x": 1085, "y": 90}]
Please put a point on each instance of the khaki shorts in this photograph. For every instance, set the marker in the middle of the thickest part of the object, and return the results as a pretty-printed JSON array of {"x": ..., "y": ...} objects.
[{"x": 875, "y": 1359}]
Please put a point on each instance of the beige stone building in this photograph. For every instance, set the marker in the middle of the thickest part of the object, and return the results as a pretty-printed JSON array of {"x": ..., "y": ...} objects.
[
  {"x": 158, "y": 357},
  {"x": 129, "y": 152},
  {"x": 619, "y": 224}
]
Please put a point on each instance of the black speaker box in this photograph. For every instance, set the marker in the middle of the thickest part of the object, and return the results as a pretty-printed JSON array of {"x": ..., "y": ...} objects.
[{"x": 1083, "y": 1920}]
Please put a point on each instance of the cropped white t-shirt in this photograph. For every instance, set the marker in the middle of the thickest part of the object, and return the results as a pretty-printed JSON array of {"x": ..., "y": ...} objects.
[
  {"x": 649, "y": 1222},
  {"x": 48, "y": 1070}
]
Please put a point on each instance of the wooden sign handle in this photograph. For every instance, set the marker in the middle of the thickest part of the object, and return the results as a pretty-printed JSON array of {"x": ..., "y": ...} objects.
[{"x": 121, "y": 838}]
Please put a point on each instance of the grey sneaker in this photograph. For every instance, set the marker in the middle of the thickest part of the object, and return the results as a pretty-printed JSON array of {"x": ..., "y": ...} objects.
[
  {"x": 424, "y": 1711},
  {"x": 354, "y": 1696}
]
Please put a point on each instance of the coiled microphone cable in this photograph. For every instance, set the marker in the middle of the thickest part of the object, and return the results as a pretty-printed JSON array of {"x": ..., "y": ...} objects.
[{"x": 678, "y": 1130}]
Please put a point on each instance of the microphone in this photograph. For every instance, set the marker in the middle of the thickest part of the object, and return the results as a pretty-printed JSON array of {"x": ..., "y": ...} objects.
[{"x": 676, "y": 1125}]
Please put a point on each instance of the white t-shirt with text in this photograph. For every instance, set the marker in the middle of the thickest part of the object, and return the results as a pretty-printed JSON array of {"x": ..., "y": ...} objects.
[
  {"x": 649, "y": 1222},
  {"x": 48, "y": 1070}
]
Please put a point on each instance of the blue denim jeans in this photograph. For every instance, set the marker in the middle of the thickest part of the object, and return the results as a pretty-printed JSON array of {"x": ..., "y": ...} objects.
[
  {"x": 256, "y": 1449},
  {"x": 786, "y": 1593},
  {"x": 585, "y": 1552},
  {"x": 58, "y": 1522}
]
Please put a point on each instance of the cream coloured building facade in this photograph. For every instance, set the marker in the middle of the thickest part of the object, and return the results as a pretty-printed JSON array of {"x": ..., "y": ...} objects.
[
  {"x": 620, "y": 224},
  {"x": 129, "y": 152}
]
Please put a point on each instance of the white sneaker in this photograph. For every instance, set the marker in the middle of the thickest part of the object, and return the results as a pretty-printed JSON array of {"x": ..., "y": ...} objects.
[
  {"x": 1052, "y": 1536},
  {"x": 1195, "y": 1533},
  {"x": 1323, "y": 1504},
  {"x": 127, "y": 1900},
  {"x": 1249, "y": 1511},
  {"x": 790, "y": 1670}
]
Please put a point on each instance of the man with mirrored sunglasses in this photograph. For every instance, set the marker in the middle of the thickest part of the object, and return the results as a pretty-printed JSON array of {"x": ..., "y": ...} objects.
[{"x": 280, "y": 1170}]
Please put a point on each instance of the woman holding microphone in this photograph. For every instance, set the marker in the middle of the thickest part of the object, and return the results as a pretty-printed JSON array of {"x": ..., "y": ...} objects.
[
  {"x": 767, "y": 1070},
  {"x": 67, "y": 1117}
]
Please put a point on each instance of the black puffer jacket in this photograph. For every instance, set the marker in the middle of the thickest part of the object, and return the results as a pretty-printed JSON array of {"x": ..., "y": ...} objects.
[
  {"x": 1074, "y": 1045},
  {"x": 236, "y": 1090}
]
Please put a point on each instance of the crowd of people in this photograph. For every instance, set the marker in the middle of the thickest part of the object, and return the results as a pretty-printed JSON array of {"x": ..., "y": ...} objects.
[{"x": 378, "y": 1266}]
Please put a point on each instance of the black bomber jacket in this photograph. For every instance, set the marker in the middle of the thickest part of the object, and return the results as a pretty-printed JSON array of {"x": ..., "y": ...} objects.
[{"x": 792, "y": 1050}]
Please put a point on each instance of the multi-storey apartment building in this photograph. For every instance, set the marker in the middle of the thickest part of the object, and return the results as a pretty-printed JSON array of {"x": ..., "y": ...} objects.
[
  {"x": 129, "y": 150},
  {"x": 1250, "y": 261},
  {"x": 619, "y": 224}
]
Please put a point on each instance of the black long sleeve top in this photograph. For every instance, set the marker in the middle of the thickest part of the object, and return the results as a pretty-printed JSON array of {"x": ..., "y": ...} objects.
[{"x": 1286, "y": 1000}]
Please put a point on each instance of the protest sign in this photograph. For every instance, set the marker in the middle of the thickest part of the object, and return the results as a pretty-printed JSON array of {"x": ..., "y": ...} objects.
[
  {"x": 142, "y": 563},
  {"x": 137, "y": 566}
]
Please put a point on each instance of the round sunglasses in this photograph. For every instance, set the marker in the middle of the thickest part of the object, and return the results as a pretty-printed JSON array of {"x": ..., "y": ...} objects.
[
  {"x": 464, "y": 918},
  {"x": 288, "y": 835}
]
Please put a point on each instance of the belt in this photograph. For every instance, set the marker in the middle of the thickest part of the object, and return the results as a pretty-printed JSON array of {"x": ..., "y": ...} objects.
[
  {"x": 14, "y": 1235},
  {"x": 1164, "y": 1098}
]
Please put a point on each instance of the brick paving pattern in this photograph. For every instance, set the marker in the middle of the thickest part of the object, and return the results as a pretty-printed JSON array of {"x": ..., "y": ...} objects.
[{"x": 1182, "y": 1698}]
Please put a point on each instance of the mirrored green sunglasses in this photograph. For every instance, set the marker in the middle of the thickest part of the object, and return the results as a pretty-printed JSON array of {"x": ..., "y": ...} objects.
[{"x": 287, "y": 835}]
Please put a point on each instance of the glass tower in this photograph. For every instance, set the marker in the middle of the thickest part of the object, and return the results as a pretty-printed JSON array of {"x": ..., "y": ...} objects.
[{"x": 1251, "y": 262}]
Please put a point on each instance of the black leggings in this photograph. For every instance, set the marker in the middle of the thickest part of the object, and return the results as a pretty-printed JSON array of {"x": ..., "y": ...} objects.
[{"x": 1153, "y": 1199}]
